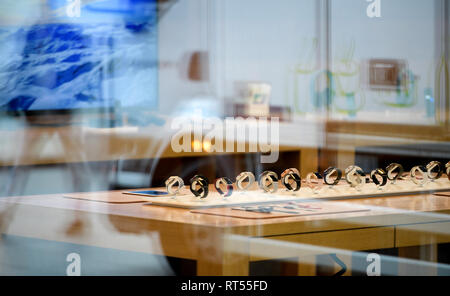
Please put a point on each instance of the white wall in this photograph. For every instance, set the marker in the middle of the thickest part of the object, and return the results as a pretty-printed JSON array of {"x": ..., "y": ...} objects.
[
  {"x": 181, "y": 32},
  {"x": 404, "y": 31},
  {"x": 265, "y": 40}
]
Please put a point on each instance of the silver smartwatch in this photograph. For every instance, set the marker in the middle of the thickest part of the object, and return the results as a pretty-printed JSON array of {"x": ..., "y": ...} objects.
[
  {"x": 355, "y": 176},
  {"x": 394, "y": 172},
  {"x": 245, "y": 180},
  {"x": 434, "y": 170},
  {"x": 314, "y": 181},
  {"x": 419, "y": 175},
  {"x": 174, "y": 184},
  {"x": 268, "y": 181}
]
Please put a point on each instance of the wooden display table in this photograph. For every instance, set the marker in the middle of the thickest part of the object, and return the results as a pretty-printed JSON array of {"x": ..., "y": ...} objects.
[{"x": 226, "y": 245}]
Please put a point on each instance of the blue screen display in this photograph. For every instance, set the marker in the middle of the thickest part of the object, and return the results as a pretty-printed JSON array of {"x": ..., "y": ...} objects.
[{"x": 77, "y": 54}]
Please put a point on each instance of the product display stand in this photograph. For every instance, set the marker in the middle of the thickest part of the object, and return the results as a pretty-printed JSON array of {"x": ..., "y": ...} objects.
[{"x": 187, "y": 200}]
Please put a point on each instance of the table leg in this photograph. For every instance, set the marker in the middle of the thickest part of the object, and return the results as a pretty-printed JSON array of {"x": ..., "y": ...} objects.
[
  {"x": 307, "y": 266},
  {"x": 227, "y": 265},
  {"x": 426, "y": 253},
  {"x": 231, "y": 258}
]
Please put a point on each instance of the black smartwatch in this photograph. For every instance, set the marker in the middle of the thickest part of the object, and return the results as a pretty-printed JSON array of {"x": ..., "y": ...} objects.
[
  {"x": 379, "y": 177},
  {"x": 332, "y": 176},
  {"x": 199, "y": 186},
  {"x": 290, "y": 177}
]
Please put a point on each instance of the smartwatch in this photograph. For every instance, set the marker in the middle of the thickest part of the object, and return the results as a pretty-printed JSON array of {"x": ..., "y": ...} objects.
[
  {"x": 199, "y": 186},
  {"x": 434, "y": 170},
  {"x": 291, "y": 179},
  {"x": 394, "y": 171},
  {"x": 227, "y": 184},
  {"x": 313, "y": 181},
  {"x": 245, "y": 180},
  {"x": 419, "y": 175},
  {"x": 174, "y": 184},
  {"x": 332, "y": 176},
  {"x": 379, "y": 177},
  {"x": 268, "y": 181}
]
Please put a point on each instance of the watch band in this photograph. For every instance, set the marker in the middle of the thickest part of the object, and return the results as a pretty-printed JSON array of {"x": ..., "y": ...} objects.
[
  {"x": 268, "y": 181},
  {"x": 348, "y": 172},
  {"x": 224, "y": 181},
  {"x": 174, "y": 184},
  {"x": 199, "y": 186},
  {"x": 328, "y": 176}
]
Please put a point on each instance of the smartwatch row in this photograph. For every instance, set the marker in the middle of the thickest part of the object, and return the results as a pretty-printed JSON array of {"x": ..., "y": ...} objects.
[
  {"x": 418, "y": 174},
  {"x": 268, "y": 181},
  {"x": 291, "y": 179}
]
